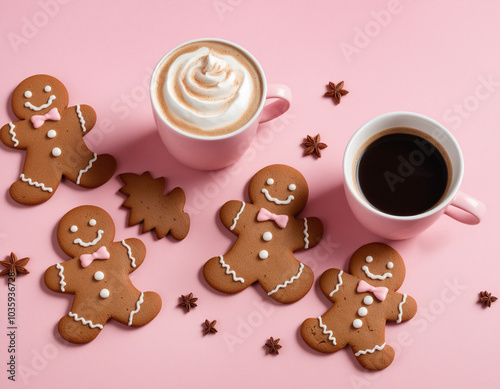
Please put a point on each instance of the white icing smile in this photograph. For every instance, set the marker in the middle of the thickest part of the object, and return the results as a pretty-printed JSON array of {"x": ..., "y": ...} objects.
[
  {"x": 375, "y": 276},
  {"x": 43, "y": 106},
  {"x": 276, "y": 201},
  {"x": 87, "y": 244}
]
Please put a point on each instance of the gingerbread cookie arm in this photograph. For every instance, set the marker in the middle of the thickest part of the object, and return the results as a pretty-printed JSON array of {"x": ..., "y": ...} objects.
[
  {"x": 86, "y": 116},
  {"x": 334, "y": 281},
  {"x": 400, "y": 307},
  {"x": 312, "y": 232},
  {"x": 13, "y": 134},
  {"x": 60, "y": 277},
  {"x": 232, "y": 213},
  {"x": 135, "y": 252}
]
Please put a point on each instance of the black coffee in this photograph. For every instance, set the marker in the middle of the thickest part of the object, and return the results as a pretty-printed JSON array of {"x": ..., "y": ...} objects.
[{"x": 403, "y": 172}]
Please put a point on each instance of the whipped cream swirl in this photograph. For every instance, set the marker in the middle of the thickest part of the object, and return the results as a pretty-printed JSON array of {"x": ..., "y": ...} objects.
[{"x": 208, "y": 90}]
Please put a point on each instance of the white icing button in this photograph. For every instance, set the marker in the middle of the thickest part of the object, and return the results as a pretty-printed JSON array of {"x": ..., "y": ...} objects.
[
  {"x": 56, "y": 151},
  {"x": 92, "y": 222},
  {"x": 390, "y": 265},
  {"x": 28, "y": 94},
  {"x": 73, "y": 228},
  {"x": 99, "y": 276},
  {"x": 51, "y": 134},
  {"x": 47, "y": 88},
  {"x": 292, "y": 187},
  {"x": 362, "y": 311},
  {"x": 263, "y": 254},
  {"x": 104, "y": 293},
  {"x": 357, "y": 323},
  {"x": 368, "y": 300},
  {"x": 270, "y": 181},
  {"x": 369, "y": 258},
  {"x": 267, "y": 236}
]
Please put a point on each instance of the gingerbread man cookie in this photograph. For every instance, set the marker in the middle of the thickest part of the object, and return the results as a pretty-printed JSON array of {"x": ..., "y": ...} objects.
[
  {"x": 98, "y": 276},
  {"x": 363, "y": 302},
  {"x": 268, "y": 234},
  {"x": 52, "y": 135}
]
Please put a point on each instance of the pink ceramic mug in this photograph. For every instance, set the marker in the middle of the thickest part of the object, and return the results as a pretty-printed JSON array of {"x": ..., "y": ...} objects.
[
  {"x": 454, "y": 203},
  {"x": 216, "y": 152}
]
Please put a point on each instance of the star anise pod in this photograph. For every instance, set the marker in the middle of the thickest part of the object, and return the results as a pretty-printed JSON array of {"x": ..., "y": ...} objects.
[
  {"x": 336, "y": 91},
  {"x": 188, "y": 302},
  {"x": 486, "y": 298},
  {"x": 313, "y": 145},
  {"x": 14, "y": 265},
  {"x": 273, "y": 346},
  {"x": 210, "y": 327}
]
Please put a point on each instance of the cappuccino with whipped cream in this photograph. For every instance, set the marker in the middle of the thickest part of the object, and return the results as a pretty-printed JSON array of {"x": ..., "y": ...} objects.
[{"x": 208, "y": 88}]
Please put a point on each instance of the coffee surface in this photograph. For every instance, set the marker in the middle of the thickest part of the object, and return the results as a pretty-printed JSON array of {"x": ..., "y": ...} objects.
[
  {"x": 403, "y": 171},
  {"x": 208, "y": 88}
]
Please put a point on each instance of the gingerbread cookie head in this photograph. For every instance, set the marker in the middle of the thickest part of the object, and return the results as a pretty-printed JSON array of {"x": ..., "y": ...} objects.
[
  {"x": 379, "y": 265},
  {"x": 84, "y": 229},
  {"x": 37, "y": 95},
  {"x": 280, "y": 189}
]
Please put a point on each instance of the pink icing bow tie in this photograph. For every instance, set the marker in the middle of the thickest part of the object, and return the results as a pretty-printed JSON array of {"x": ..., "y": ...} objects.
[
  {"x": 86, "y": 259},
  {"x": 38, "y": 120},
  {"x": 280, "y": 220},
  {"x": 379, "y": 292}
]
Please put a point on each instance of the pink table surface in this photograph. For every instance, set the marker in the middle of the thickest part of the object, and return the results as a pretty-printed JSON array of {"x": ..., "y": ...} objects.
[{"x": 439, "y": 59}]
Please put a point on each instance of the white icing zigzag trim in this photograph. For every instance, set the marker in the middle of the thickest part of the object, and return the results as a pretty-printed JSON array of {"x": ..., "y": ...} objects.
[
  {"x": 400, "y": 308},
  {"x": 288, "y": 282},
  {"x": 35, "y": 108},
  {"x": 129, "y": 253},
  {"x": 85, "y": 322},
  {"x": 87, "y": 244},
  {"x": 235, "y": 220},
  {"x": 11, "y": 132},
  {"x": 276, "y": 201},
  {"x": 338, "y": 285},
  {"x": 80, "y": 116},
  {"x": 306, "y": 235},
  {"x": 86, "y": 169},
  {"x": 371, "y": 351},
  {"x": 62, "y": 283},
  {"x": 137, "y": 308},
  {"x": 375, "y": 276},
  {"x": 35, "y": 183},
  {"x": 326, "y": 332},
  {"x": 230, "y": 271}
]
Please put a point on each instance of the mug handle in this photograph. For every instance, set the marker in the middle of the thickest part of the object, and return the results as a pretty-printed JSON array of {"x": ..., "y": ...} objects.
[
  {"x": 277, "y": 108},
  {"x": 466, "y": 209}
]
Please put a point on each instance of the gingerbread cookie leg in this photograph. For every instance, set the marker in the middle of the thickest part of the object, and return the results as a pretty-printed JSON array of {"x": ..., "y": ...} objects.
[
  {"x": 221, "y": 275},
  {"x": 94, "y": 170},
  {"x": 136, "y": 308},
  {"x": 288, "y": 283},
  {"x": 321, "y": 337},
  {"x": 36, "y": 184},
  {"x": 78, "y": 327},
  {"x": 373, "y": 356}
]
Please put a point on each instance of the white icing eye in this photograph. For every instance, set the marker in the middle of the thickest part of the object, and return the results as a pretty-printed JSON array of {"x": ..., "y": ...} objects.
[
  {"x": 292, "y": 187},
  {"x": 270, "y": 181},
  {"x": 47, "y": 88},
  {"x": 51, "y": 134},
  {"x": 390, "y": 265},
  {"x": 92, "y": 222},
  {"x": 73, "y": 228},
  {"x": 28, "y": 94},
  {"x": 369, "y": 258}
]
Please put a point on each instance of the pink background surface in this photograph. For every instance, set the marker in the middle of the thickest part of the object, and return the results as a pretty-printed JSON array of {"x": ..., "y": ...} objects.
[{"x": 428, "y": 57}]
